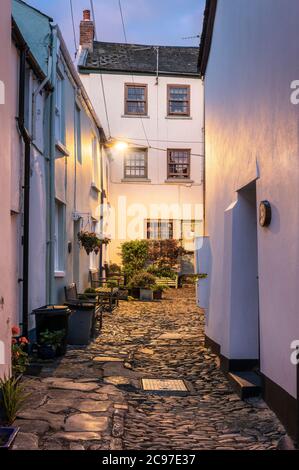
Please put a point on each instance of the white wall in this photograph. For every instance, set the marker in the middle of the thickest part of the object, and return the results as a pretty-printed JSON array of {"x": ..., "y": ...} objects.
[
  {"x": 6, "y": 286},
  {"x": 73, "y": 187},
  {"x": 162, "y": 132},
  {"x": 252, "y": 132}
]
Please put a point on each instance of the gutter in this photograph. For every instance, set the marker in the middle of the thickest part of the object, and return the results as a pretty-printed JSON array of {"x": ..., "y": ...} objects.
[
  {"x": 206, "y": 36},
  {"x": 51, "y": 190},
  {"x": 26, "y": 190}
]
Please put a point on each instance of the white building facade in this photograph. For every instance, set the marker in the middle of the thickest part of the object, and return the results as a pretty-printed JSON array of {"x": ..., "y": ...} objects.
[
  {"x": 154, "y": 102},
  {"x": 249, "y": 60},
  {"x": 6, "y": 276}
]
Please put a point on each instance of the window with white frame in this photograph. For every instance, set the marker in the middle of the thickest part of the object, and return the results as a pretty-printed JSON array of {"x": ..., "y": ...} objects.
[
  {"x": 59, "y": 240},
  {"x": 59, "y": 116},
  {"x": 95, "y": 162}
]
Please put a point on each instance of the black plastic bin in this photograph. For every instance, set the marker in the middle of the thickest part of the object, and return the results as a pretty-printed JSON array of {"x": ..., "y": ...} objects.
[
  {"x": 53, "y": 318},
  {"x": 82, "y": 323}
]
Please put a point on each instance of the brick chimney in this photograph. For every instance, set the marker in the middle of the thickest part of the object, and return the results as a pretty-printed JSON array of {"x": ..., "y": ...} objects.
[{"x": 86, "y": 31}]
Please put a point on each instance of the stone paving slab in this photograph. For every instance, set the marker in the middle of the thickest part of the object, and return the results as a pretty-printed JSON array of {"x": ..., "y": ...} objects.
[{"x": 92, "y": 398}]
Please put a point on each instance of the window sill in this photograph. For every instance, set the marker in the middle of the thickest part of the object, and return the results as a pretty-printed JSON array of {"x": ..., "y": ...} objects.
[
  {"x": 179, "y": 117},
  {"x": 59, "y": 274},
  {"x": 143, "y": 116},
  {"x": 62, "y": 149},
  {"x": 179, "y": 181},
  {"x": 136, "y": 180}
]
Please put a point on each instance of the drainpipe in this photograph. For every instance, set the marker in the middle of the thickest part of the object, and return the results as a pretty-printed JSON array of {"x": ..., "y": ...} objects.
[
  {"x": 102, "y": 203},
  {"x": 26, "y": 191},
  {"x": 35, "y": 94},
  {"x": 52, "y": 153}
]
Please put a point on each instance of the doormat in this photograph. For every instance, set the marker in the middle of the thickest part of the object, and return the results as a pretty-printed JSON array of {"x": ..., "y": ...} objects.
[{"x": 164, "y": 385}]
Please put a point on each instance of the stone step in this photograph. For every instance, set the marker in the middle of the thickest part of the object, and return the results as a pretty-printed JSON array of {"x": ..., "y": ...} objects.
[{"x": 246, "y": 384}]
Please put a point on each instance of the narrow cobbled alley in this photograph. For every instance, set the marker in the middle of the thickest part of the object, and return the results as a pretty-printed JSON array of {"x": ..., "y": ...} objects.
[{"x": 93, "y": 398}]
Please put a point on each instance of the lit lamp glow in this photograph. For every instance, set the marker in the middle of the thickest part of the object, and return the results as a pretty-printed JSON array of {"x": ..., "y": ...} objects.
[{"x": 121, "y": 146}]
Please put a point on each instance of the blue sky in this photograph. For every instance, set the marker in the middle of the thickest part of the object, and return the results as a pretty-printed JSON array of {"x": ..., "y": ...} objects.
[{"x": 163, "y": 22}]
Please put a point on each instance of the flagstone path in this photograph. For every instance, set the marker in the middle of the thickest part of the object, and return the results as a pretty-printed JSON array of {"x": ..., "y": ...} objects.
[{"x": 92, "y": 399}]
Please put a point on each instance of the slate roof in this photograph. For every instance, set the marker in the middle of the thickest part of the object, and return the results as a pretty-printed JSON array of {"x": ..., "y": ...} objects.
[{"x": 142, "y": 59}]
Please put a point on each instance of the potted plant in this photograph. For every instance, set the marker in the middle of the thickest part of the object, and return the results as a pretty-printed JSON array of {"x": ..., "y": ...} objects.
[
  {"x": 19, "y": 354},
  {"x": 50, "y": 344},
  {"x": 158, "y": 291},
  {"x": 91, "y": 242},
  {"x": 146, "y": 283},
  {"x": 89, "y": 293},
  {"x": 12, "y": 398}
]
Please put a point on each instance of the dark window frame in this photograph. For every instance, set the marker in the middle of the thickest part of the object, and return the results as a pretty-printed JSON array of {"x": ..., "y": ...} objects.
[
  {"x": 169, "y": 100},
  {"x": 127, "y": 100},
  {"x": 160, "y": 221},
  {"x": 178, "y": 176},
  {"x": 127, "y": 157}
]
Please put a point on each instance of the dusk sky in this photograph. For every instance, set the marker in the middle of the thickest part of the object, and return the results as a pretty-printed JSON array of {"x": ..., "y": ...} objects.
[{"x": 163, "y": 22}]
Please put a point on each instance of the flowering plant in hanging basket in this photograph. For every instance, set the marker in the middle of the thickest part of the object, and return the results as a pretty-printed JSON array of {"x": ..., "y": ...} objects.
[{"x": 91, "y": 242}]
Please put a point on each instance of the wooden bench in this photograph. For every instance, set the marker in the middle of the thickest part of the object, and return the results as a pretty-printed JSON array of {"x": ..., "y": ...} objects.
[
  {"x": 167, "y": 281},
  {"x": 73, "y": 299}
]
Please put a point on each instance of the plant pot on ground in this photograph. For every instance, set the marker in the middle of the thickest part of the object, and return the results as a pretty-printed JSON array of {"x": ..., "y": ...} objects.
[
  {"x": 158, "y": 292},
  {"x": 12, "y": 398},
  {"x": 7, "y": 437},
  {"x": 51, "y": 344},
  {"x": 146, "y": 283}
]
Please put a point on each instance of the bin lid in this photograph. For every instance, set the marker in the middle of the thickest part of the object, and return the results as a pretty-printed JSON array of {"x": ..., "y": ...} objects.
[
  {"x": 81, "y": 305},
  {"x": 52, "y": 310}
]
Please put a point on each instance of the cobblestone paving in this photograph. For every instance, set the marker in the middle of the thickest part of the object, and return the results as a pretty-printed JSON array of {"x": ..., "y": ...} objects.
[{"x": 92, "y": 399}]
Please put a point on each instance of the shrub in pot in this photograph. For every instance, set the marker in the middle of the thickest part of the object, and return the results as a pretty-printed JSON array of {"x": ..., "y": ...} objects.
[
  {"x": 50, "y": 344},
  {"x": 12, "y": 398},
  {"x": 158, "y": 292},
  {"x": 19, "y": 354},
  {"x": 89, "y": 293},
  {"x": 134, "y": 257},
  {"x": 146, "y": 283}
]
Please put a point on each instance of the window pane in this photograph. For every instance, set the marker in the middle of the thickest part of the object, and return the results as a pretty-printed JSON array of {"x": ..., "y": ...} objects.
[
  {"x": 137, "y": 93},
  {"x": 178, "y": 107},
  {"x": 159, "y": 229},
  {"x": 179, "y": 164},
  {"x": 179, "y": 93},
  {"x": 136, "y": 164},
  {"x": 136, "y": 107}
]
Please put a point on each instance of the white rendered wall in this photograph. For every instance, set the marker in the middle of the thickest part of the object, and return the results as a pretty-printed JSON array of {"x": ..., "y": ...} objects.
[
  {"x": 6, "y": 284},
  {"x": 162, "y": 132},
  {"x": 252, "y": 132}
]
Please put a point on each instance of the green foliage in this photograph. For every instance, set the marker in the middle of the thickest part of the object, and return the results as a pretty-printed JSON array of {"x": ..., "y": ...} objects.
[
  {"x": 19, "y": 357},
  {"x": 114, "y": 269},
  {"x": 160, "y": 288},
  {"x": 52, "y": 338},
  {"x": 12, "y": 398},
  {"x": 143, "y": 280},
  {"x": 162, "y": 271},
  {"x": 134, "y": 257},
  {"x": 91, "y": 242},
  {"x": 112, "y": 283}
]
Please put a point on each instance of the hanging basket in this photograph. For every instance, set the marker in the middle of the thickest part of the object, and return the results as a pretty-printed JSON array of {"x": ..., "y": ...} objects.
[{"x": 91, "y": 242}]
